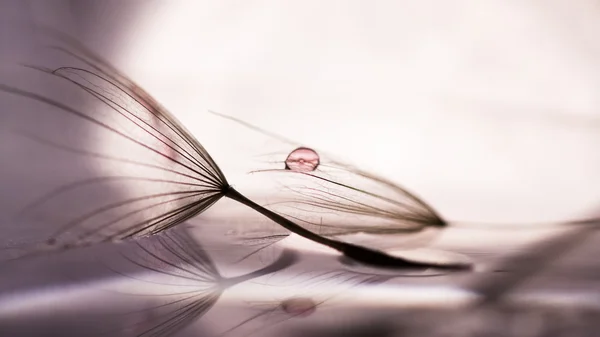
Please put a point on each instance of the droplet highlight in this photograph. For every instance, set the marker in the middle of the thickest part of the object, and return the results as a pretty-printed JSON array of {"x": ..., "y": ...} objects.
[{"x": 302, "y": 159}]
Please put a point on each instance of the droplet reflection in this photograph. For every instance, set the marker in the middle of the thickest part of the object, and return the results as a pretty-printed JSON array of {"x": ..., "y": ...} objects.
[
  {"x": 302, "y": 159},
  {"x": 301, "y": 306}
]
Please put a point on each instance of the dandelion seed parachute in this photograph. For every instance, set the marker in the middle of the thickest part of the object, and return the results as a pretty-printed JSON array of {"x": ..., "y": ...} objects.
[
  {"x": 174, "y": 177},
  {"x": 336, "y": 199}
]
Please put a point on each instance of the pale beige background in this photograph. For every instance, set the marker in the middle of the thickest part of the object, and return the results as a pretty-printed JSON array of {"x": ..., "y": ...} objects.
[{"x": 489, "y": 110}]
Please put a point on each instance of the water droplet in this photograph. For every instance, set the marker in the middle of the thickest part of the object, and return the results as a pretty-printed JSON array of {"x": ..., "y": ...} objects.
[
  {"x": 301, "y": 306},
  {"x": 302, "y": 159}
]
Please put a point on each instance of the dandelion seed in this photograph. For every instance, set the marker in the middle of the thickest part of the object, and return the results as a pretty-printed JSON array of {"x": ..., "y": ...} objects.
[
  {"x": 336, "y": 199},
  {"x": 169, "y": 188}
]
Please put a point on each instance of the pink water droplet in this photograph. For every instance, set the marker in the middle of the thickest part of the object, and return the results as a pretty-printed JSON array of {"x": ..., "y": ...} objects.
[
  {"x": 302, "y": 159},
  {"x": 301, "y": 306}
]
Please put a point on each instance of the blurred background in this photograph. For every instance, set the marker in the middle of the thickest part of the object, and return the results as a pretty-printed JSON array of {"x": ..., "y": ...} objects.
[{"x": 489, "y": 110}]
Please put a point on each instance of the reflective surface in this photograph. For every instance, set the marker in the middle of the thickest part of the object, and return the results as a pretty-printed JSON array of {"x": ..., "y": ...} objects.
[{"x": 125, "y": 293}]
